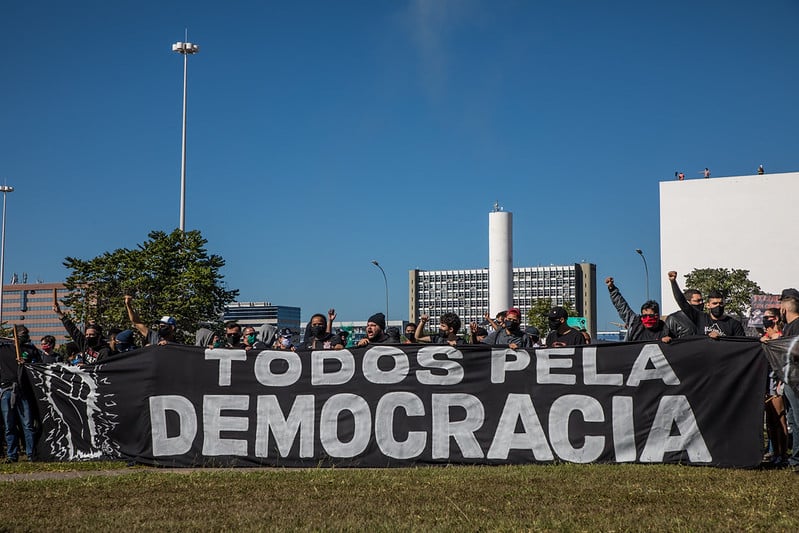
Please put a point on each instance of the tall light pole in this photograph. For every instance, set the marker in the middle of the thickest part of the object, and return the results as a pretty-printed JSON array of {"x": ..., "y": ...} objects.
[
  {"x": 185, "y": 49},
  {"x": 646, "y": 270},
  {"x": 4, "y": 189},
  {"x": 385, "y": 280}
]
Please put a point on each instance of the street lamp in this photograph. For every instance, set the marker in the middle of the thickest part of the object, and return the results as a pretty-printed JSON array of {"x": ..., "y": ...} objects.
[
  {"x": 185, "y": 49},
  {"x": 385, "y": 280},
  {"x": 646, "y": 270},
  {"x": 4, "y": 189}
]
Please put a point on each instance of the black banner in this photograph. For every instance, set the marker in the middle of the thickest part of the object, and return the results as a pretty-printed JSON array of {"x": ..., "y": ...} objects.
[{"x": 698, "y": 401}]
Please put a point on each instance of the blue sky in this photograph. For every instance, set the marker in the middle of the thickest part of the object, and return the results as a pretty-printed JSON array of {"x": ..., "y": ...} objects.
[{"x": 323, "y": 135}]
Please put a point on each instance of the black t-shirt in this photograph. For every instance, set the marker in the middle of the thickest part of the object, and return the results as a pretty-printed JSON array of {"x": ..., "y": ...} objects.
[
  {"x": 791, "y": 328},
  {"x": 570, "y": 337}
]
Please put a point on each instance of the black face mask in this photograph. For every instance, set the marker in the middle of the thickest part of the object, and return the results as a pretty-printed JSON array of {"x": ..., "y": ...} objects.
[
  {"x": 717, "y": 312},
  {"x": 768, "y": 322},
  {"x": 410, "y": 336},
  {"x": 511, "y": 325},
  {"x": 92, "y": 341},
  {"x": 163, "y": 330},
  {"x": 233, "y": 338},
  {"x": 698, "y": 307},
  {"x": 317, "y": 331},
  {"x": 554, "y": 323}
]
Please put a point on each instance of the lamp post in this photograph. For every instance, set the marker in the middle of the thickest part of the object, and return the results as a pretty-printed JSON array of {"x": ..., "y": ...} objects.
[
  {"x": 385, "y": 280},
  {"x": 4, "y": 189},
  {"x": 185, "y": 49},
  {"x": 646, "y": 270}
]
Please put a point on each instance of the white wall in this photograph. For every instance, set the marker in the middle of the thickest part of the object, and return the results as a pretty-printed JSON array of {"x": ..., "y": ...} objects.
[{"x": 737, "y": 222}]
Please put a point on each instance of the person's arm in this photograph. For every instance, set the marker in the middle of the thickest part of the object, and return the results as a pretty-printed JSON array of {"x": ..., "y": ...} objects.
[
  {"x": 331, "y": 316},
  {"x": 491, "y": 321},
  {"x": 140, "y": 326},
  {"x": 77, "y": 335},
  {"x": 626, "y": 313},
  {"x": 679, "y": 297},
  {"x": 420, "y": 336},
  {"x": 473, "y": 333}
]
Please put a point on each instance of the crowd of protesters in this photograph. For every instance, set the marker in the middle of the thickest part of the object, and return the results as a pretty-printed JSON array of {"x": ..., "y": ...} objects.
[{"x": 697, "y": 317}]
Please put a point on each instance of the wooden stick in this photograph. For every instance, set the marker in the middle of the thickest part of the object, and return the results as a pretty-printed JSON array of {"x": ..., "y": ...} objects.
[{"x": 16, "y": 345}]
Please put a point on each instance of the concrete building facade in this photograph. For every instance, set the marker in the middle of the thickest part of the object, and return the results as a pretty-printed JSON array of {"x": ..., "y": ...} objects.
[
  {"x": 720, "y": 223},
  {"x": 31, "y": 305},
  {"x": 465, "y": 292}
]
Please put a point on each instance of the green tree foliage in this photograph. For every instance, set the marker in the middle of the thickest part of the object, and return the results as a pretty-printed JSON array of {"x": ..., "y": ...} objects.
[
  {"x": 168, "y": 274},
  {"x": 538, "y": 315},
  {"x": 733, "y": 283}
]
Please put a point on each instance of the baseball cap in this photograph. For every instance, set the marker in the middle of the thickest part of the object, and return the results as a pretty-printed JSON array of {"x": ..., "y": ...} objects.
[
  {"x": 790, "y": 293},
  {"x": 168, "y": 320},
  {"x": 558, "y": 312}
]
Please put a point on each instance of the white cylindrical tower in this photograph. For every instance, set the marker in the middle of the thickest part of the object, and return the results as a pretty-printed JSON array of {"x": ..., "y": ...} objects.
[{"x": 500, "y": 261}]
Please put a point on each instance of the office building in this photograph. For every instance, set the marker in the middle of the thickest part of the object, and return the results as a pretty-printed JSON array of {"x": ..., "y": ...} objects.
[
  {"x": 31, "y": 305},
  {"x": 256, "y": 314},
  {"x": 465, "y": 292}
]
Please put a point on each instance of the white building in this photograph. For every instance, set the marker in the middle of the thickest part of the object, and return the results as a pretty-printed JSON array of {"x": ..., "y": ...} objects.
[{"x": 741, "y": 222}]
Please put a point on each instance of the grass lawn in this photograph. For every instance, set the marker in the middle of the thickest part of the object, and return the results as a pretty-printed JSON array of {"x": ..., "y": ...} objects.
[{"x": 562, "y": 497}]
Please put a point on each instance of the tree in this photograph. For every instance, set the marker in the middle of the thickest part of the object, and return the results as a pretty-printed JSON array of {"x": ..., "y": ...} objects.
[
  {"x": 733, "y": 283},
  {"x": 538, "y": 315},
  {"x": 168, "y": 274}
]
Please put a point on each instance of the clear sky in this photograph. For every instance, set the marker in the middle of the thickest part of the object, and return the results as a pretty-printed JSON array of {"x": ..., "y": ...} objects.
[{"x": 323, "y": 135}]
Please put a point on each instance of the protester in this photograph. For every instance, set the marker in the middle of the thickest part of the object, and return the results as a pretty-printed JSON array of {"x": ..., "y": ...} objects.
[
  {"x": 318, "y": 336},
  {"x": 284, "y": 341},
  {"x": 561, "y": 334},
  {"x": 124, "y": 341},
  {"x": 251, "y": 340},
  {"x": 776, "y": 420},
  {"x": 511, "y": 333},
  {"x": 375, "y": 331},
  {"x": 163, "y": 333},
  {"x": 789, "y": 311},
  {"x": 644, "y": 327},
  {"x": 14, "y": 401},
  {"x": 410, "y": 333},
  {"x": 48, "y": 351},
  {"x": 233, "y": 336},
  {"x": 678, "y": 323},
  {"x": 448, "y": 328},
  {"x": 715, "y": 323},
  {"x": 477, "y": 334},
  {"x": 535, "y": 336},
  {"x": 91, "y": 344}
]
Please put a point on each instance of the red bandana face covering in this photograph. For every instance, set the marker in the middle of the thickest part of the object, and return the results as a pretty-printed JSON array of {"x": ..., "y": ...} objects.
[{"x": 649, "y": 321}]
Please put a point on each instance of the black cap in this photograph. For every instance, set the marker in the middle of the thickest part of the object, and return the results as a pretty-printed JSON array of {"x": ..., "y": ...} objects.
[
  {"x": 558, "y": 312},
  {"x": 790, "y": 293},
  {"x": 379, "y": 319},
  {"x": 533, "y": 332}
]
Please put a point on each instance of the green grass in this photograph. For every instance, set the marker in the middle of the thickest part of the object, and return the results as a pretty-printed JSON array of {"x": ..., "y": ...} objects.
[{"x": 553, "y": 497}]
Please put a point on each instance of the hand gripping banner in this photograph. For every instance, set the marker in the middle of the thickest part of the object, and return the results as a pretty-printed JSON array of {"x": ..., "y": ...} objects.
[{"x": 697, "y": 401}]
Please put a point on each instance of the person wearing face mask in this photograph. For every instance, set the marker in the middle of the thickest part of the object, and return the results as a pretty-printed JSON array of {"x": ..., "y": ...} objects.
[
  {"x": 163, "y": 331},
  {"x": 644, "y": 327},
  {"x": 448, "y": 328},
  {"x": 251, "y": 340},
  {"x": 511, "y": 333},
  {"x": 91, "y": 344},
  {"x": 715, "y": 323},
  {"x": 233, "y": 336},
  {"x": 317, "y": 336},
  {"x": 560, "y": 333}
]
